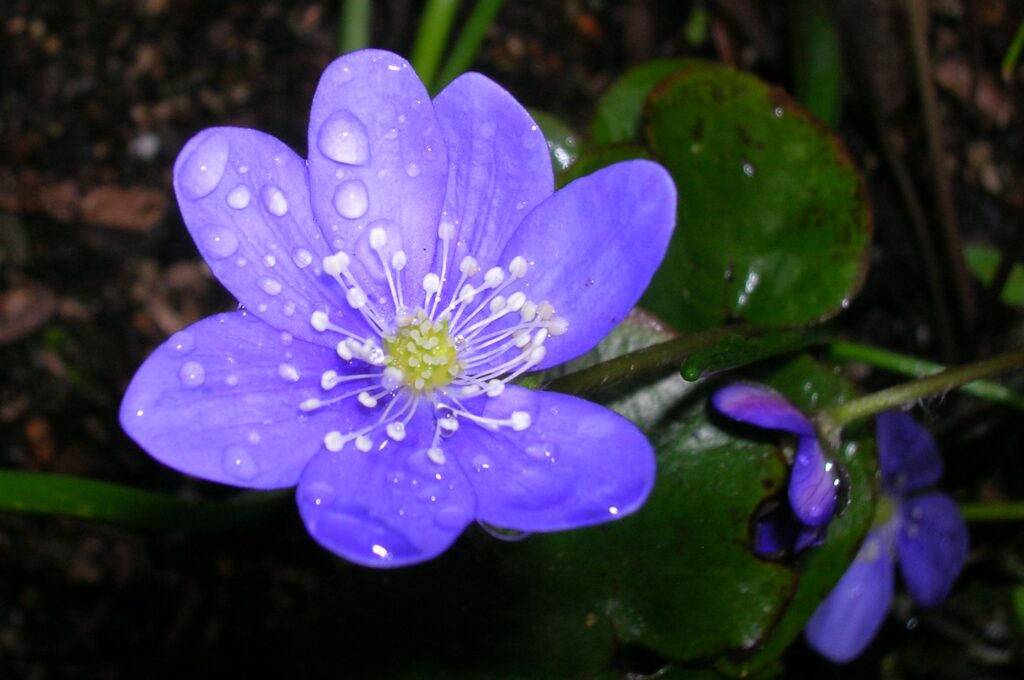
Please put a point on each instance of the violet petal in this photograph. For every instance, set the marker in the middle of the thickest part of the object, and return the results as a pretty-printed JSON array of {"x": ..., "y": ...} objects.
[
  {"x": 845, "y": 621},
  {"x": 932, "y": 546},
  {"x": 220, "y": 400},
  {"x": 813, "y": 484},
  {"x": 907, "y": 453},
  {"x": 762, "y": 407}
]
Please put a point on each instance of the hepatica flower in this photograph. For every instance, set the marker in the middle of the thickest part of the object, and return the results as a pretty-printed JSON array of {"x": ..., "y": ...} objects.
[
  {"x": 394, "y": 286},
  {"x": 923, "y": 532}
]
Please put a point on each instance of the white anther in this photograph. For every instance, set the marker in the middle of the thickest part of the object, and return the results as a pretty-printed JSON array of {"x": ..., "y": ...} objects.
[
  {"x": 335, "y": 264},
  {"x": 319, "y": 321},
  {"x": 329, "y": 379},
  {"x": 396, "y": 431},
  {"x": 392, "y": 378},
  {"x": 378, "y": 237},
  {"x": 497, "y": 304},
  {"x": 495, "y": 387},
  {"x": 519, "y": 420},
  {"x": 364, "y": 443},
  {"x": 471, "y": 390},
  {"x": 445, "y": 231},
  {"x": 334, "y": 441},
  {"x": 310, "y": 404},
  {"x": 356, "y": 298},
  {"x": 436, "y": 455},
  {"x": 494, "y": 277},
  {"x": 469, "y": 266},
  {"x": 367, "y": 400},
  {"x": 522, "y": 338},
  {"x": 344, "y": 351},
  {"x": 448, "y": 424},
  {"x": 545, "y": 311},
  {"x": 467, "y": 293},
  {"x": 537, "y": 355},
  {"x": 529, "y": 311},
  {"x": 558, "y": 325},
  {"x": 431, "y": 283},
  {"x": 516, "y": 301},
  {"x": 517, "y": 267},
  {"x": 399, "y": 260},
  {"x": 539, "y": 337}
]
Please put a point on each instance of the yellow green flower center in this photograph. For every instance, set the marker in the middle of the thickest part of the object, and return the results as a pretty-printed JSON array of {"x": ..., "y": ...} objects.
[{"x": 425, "y": 354}]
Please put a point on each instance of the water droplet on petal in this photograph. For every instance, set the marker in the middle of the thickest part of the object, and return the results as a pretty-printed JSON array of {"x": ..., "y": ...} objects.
[
  {"x": 270, "y": 286},
  {"x": 481, "y": 462},
  {"x": 302, "y": 258},
  {"x": 351, "y": 200},
  {"x": 192, "y": 374},
  {"x": 288, "y": 373},
  {"x": 238, "y": 463},
  {"x": 219, "y": 242},
  {"x": 318, "y": 493},
  {"x": 343, "y": 138},
  {"x": 412, "y": 170},
  {"x": 510, "y": 535},
  {"x": 274, "y": 200},
  {"x": 181, "y": 343},
  {"x": 238, "y": 198},
  {"x": 202, "y": 171},
  {"x": 288, "y": 308}
]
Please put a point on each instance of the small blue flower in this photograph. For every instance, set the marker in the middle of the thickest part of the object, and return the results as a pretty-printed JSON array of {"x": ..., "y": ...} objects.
[
  {"x": 813, "y": 483},
  {"x": 924, "y": 533},
  {"x": 394, "y": 285}
]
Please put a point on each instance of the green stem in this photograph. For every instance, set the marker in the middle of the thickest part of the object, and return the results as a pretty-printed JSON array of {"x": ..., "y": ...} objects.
[
  {"x": 435, "y": 25},
  {"x": 841, "y": 350},
  {"x": 62, "y": 495},
  {"x": 354, "y": 25},
  {"x": 644, "y": 363},
  {"x": 1013, "y": 54},
  {"x": 832, "y": 420},
  {"x": 1003, "y": 511},
  {"x": 468, "y": 42}
]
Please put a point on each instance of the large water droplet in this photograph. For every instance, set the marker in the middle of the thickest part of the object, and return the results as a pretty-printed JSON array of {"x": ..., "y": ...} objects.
[
  {"x": 274, "y": 200},
  {"x": 288, "y": 372},
  {"x": 238, "y": 463},
  {"x": 351, "y": 200},
  {"x": 302, "y": 258},
  {"x": 269, "y": 260},
  {"x": 202, "y": 171},
  {"x": 270, "y": 286},
  {"x": 219, "y": 242},
  {"x": 181, "y": 343},
  {"x": 192, "y": 374},
  {"x": 238, "y": 197},
  {"x": 412, "y": 170},
  {"x": 343, "y": 138}
]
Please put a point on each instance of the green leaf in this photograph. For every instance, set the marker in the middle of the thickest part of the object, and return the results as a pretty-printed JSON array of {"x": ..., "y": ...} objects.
[
  {"x": 984, "y": 261},
  {"x": 735, "y": 351},
  {"x": 618, "y": 114},
  {"x": 563, "y": 142},
  {"x": 816, "y": 59},
  {"x": 773, "y": 222}
]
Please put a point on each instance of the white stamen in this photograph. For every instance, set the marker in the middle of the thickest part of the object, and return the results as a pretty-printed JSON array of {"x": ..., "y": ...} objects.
[
  {"x": 431, "y": 283},
  {"x": 367, "y": 400},
  {"x": 545, "y": 311},
  {"x": 436, "y": 455},
  {"x": 469, "y": 266},
  {"x": 516, "y": 301},
  {"x": 497, "y": 304},
  {"x": 517, "y": 267},
  {"x": 494, "y": 277},
  {"x": 319, "y": 321},
  {"x": 391, "y": 378},
  {"x": 539, "y": 337},
  {"x": 495, "y": 388},
  {"x": 335, "y": 264},
  {"x": 364, "y": 443},
  {"x": 328, "y": 380},
  {"x": 445, "y": 231},
  {"x": 356, "y": 298},
  {"x": 529, "y": 312},
  {"x": 344, "y": 351},
  {"x": 399, "y": 260},
  {"x": 558, "y": 326},
  {"x": 520, "y": 420},
  {"x": 396, "y": 431},
  {"x": 310, "y": 404},
  {"x": 378, "y": 238},
  {"x": 334, "y": 441}
]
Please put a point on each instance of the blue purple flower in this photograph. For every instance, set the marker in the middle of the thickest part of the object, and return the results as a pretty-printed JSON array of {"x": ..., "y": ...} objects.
[
  {"x": 394, "y": 286},
  {"x": 923, "y": 532}
]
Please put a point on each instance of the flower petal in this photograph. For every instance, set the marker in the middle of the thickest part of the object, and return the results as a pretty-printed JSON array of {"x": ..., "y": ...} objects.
[
  {"x": 390, "y": 507},
  {"x": 846, "y": 620},
  {"x": 377, "y": 158},
  {"x": 592, "y": 249},
  {"x": 500, "y": 169},
  {"x": 760, "y": 406},
  {"x": 245, "y": 199},
  {"x": 220, "y": 400},
  {"x": 932, "y": 546},
  {"x": 907, "y": 453},
  {"x": 778, "y": 534},
  {"x": 813, "y": 484},
  {"x": 576, "y": 464}
]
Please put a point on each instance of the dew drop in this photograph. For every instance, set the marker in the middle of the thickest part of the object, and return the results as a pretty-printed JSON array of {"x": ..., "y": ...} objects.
[
  {"x": 302, "y": 258},
  {"x": 270, "y": 286},
  {"x": 219, "y": 242},
  {"x": 778, "y": 112},
  {"x": 274, "y": 200},
  {"x": 288, "y": 308},
  {"x": 318, "y": 493},
  {"x": 231, "y": 380},
  {"x": 181, "y": 343},
  {"x": 238, "y": 463},
  {"x": 286, "y": 338},
  {"x": 202, "y": 171},
  {"x": 238, "y": 198},
  {"x": 192, "y": 374},
  {"x": 391, "y": 134},
  {"x": 412, "y": 170},
  {"x": 288, "y": 372},
  {"x": 748, "y": 169},
  {"x": 351, "y": 200},
  {"x": 481, "y": 462},
  {"x": 343, "y": 138}
]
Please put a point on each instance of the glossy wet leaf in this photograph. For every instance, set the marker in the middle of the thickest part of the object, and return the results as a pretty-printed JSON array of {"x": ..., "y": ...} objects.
[
  {"x": 618, "y": 114},
  {"x": 773, "y": 219},
  {"x": 735, "y": 351},
  {"x": 563, "y": 142},
  {"x": 983, "y": 261}
]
